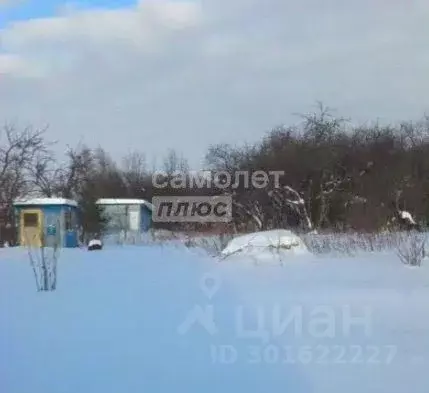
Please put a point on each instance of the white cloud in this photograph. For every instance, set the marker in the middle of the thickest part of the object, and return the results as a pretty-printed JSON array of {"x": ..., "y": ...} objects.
[
  {"x": 184, "y": 74},
  {"x": 10, "y": 64},
  {"x": 10, "y": 3}
]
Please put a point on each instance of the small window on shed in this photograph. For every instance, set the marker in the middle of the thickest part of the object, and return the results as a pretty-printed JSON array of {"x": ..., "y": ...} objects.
[
  {"x": 31, "y": 220},
  {"x": 68, "y": 220}
]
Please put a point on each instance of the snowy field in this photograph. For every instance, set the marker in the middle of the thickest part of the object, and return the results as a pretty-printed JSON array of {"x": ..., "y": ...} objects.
[{"x": 171, "y": 319}]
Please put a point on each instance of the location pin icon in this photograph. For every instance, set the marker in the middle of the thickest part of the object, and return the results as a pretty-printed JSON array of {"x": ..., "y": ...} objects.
[{"x": 210, "y": 284}]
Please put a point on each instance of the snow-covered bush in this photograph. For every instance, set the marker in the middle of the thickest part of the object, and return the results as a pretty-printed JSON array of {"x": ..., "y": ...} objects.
[
  {"x": 44, "y": 260},
  {"x": 213, "y": 244},
  {"x": 412, "y": 249},
  {"x": 355, "y": 243}
]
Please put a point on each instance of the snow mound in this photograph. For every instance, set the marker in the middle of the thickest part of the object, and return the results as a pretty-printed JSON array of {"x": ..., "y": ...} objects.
[
  {"x": 266, "y": 244},
  {"x": 95, "y": 242}
]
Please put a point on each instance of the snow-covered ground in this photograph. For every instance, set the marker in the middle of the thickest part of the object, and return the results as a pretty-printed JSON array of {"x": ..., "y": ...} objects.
[{"x": 164, "y": 319}]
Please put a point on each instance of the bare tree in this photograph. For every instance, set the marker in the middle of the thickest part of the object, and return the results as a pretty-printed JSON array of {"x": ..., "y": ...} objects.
[
  {"x": 45, "y": 175},
  {"x": 287, "y": 200},
  {"x": 63, "y": 179},
  {"x": 173, "y": 163},
  {"x": 346, "y": 175},
  {"x": 135, "y": 175},
  {"x": 20, "y": 151}
]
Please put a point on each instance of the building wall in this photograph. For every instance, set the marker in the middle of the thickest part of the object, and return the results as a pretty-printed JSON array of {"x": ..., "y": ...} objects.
[
  {"x": 7, "y": 226},
  {"x": 134, "y": 218},
  {"x": 127, "y": 218},
  {"x": 117, "y": 217},
  {"x": 53, "y": 215},
  {"x": 146, "y": 218},
  {"x": 70, "y": 226}
]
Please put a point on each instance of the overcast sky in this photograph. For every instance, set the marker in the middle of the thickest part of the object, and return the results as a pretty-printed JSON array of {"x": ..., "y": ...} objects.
[{"x": 155, "y": 75}]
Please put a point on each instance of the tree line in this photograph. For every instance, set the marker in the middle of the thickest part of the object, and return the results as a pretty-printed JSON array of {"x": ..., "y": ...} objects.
[{"x": 337, "y": 176}]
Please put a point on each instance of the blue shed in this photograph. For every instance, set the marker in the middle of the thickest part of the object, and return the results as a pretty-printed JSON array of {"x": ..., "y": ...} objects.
[
  {"x": 130, "y": 215},
  {"x": 41, "y": 219}
]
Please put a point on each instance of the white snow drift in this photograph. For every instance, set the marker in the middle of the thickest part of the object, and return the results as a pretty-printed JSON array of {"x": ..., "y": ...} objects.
[{"x": 262, "y": 245}]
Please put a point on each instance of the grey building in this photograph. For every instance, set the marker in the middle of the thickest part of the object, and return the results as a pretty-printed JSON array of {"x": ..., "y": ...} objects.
[{"x": 127, "y": 215}]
